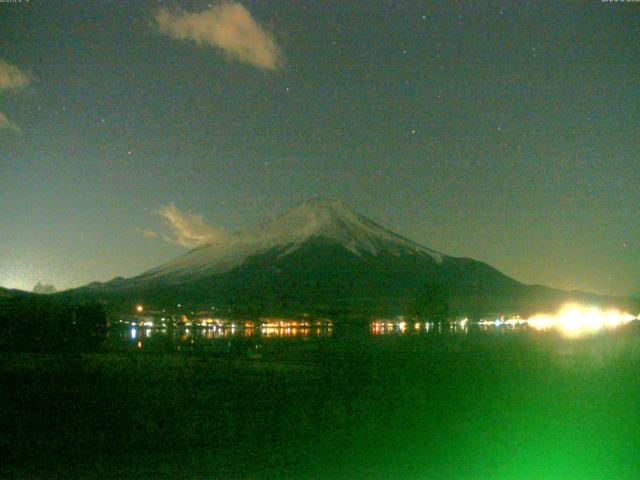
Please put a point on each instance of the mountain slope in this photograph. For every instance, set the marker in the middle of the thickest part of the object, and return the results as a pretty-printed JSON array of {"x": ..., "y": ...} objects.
[
  {"x": 14, "y": 293},
  {"x": 322, "y": 256},
  {"x": 318, "y": 218}
]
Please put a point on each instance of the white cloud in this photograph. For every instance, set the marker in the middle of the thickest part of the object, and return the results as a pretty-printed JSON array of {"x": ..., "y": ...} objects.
[
  {"x": 12, "y": 78},
  {"x": 189, "y": 230},
  {"x": 6, "y": 124},
  {"x": 228, "y": 26}
]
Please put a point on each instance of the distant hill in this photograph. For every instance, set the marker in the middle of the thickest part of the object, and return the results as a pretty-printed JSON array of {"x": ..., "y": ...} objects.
[
  {"x": 321, "y": 256},
  {"x": 44, "y": 288},
  {"x": 12, "y": 293}
]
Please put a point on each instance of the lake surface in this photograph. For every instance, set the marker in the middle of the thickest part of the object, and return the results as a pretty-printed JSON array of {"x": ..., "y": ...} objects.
[
  {"x": 236, "y": 336},
  {"x": 333, "y": 401}
]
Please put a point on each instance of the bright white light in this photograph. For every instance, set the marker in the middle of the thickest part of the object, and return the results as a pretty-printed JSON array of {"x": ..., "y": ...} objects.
[{"x": 574, "y": 320}]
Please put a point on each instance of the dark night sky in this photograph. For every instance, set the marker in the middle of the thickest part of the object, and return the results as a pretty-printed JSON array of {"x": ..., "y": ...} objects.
[{"x": 506, "y": 131}]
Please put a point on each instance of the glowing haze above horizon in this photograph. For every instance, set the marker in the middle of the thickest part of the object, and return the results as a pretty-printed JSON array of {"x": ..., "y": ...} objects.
[{"x": 503, "y": 131}]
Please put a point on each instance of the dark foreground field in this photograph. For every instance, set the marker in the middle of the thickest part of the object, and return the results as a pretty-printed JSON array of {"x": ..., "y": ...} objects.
[{"x": 476, "y": 406}]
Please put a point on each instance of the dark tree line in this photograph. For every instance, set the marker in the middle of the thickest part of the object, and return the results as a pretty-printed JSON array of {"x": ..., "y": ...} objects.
[
  {"x": 39, "y": 324},
  {"x": 431, "y": 302}
]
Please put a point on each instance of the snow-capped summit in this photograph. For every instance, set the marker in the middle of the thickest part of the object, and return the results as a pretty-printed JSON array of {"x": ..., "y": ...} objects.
[
  {"x": 335, "y": 221},
  {"x": 319, "y": 218},
  {"x": 321, "y": 256}
]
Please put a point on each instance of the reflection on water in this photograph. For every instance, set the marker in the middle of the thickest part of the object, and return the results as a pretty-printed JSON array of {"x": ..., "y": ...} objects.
[
  {"x": 571, "y": 321},
  {"x": 137, "y": 332},
  {"x": 576, "y": 320},
  {"x": 404, "y": 327}
]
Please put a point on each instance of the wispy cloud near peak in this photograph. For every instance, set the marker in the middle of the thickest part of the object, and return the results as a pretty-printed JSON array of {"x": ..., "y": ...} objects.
[{"x": 189, "y": 230}]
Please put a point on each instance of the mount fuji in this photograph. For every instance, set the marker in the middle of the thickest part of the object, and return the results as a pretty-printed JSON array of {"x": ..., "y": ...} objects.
[
  {"x": 321, "y": 256},
  {"x": 318, "y": 219}
]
